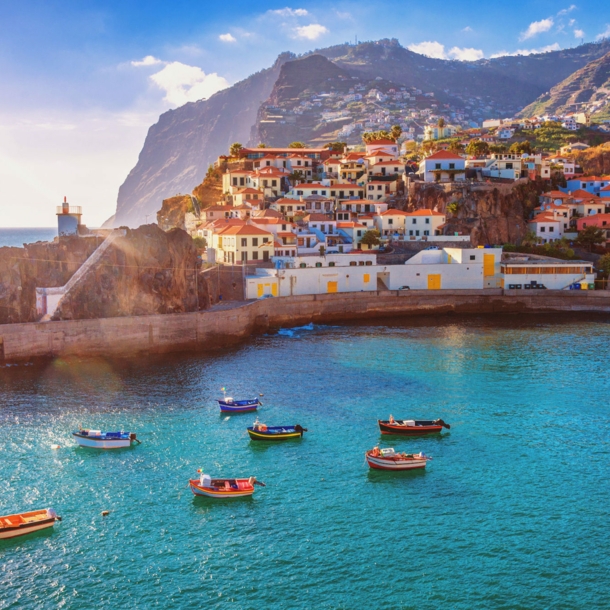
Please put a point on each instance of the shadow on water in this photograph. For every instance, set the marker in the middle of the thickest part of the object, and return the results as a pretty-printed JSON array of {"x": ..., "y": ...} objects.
[
  {"x": 40, "y": 534},
  {"x": 388, "y": 439},
  {"x": 391, "y": 477}
]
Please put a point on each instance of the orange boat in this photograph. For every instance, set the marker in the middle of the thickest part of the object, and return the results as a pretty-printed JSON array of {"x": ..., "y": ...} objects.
[
  {"x": 21, "y": 524},
  {"x": 223, "y": 488}
]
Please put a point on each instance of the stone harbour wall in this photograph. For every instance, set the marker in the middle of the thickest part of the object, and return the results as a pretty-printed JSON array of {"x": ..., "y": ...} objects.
[{"x": 208, "y": 330}]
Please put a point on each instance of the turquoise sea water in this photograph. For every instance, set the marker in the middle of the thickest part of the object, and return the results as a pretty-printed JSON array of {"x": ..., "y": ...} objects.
[
  {"x": 511, "y": 513},
  {"x": 19, "y": 236}
]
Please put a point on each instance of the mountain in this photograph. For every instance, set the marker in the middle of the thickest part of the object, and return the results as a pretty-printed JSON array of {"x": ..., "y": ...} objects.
[
  {"x": 587, "y": 89},
  {"x": 179, "y": 148}
]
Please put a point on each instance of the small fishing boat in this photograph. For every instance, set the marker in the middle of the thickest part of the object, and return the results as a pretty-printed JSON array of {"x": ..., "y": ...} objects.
[
  {"x": 261, "y": 432},
  {"x": 205, "y": 485},
  {"x": 230, "y": 405},
  {"x": 411, "y": 427},
  {"x": 104, "y": 440},
  {"x": 21, "y": 524},
  {"x": 388, "y": 459}
]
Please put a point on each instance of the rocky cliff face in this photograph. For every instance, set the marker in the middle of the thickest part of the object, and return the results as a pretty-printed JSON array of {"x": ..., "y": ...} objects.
[
  {"x": 179, "y": 148},
  {"x": 595, "y": 161},
  {"x": 42, "y": 264},
  {"x": 490, "y": 214},
  {"x": 148, "y": 271}
]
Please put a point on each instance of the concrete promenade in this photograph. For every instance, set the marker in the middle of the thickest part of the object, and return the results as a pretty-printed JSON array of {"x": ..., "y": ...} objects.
[{"x": 207, "y": 330}]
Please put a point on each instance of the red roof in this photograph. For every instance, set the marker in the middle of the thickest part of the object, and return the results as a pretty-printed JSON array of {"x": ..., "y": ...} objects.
[
  {"x": 444, "y": 154},
  {"x": 245, "y": 230},
  {"x": 424, "y": 213},
  {"x": 582, "y": 194},
  {"x": 394, "y": 213},
  {"x": 382, "y": 141}
]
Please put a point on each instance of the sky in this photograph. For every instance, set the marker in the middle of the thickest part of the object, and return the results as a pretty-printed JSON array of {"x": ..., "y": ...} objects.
[{"x": 81, "y": 82}]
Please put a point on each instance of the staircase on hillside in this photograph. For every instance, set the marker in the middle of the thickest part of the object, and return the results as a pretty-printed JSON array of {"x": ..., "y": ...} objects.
[{"x": 48, "y": 300}]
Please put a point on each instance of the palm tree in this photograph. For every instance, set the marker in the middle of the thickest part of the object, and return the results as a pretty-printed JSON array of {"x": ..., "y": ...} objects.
[
  {"x": 235, "y": 149},
  {"x": 396, "y": 132}
]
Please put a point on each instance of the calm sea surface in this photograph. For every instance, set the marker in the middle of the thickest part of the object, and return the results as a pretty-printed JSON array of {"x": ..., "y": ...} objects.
[
  {"x": 19, "y": 236},
  {"x": 513, "y": 511}
]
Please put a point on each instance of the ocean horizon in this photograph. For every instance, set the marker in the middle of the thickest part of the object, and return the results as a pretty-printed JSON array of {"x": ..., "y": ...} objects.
[{"x": 17, "y": 236}]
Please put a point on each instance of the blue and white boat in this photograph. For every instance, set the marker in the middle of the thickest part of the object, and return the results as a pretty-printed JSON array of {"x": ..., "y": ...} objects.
[
  {"x": 104, "y": 440},
  {"x": 230, "y": 405}
]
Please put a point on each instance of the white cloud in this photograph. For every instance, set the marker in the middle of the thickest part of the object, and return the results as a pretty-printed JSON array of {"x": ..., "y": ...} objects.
[
  {"x": 183, "y": 83},
  {"x": 467, "y": 29},
  {"x": 149, "y": 60},
  {"x": 571, "y": 22},
  {"x": 466, "y": 54},
  {"x": 565, "y": 11},
  {"x": 579, "y": 34},
  {"x": 551, "y": 47},
  {"x": 429, "y": 48},
  {"x": 605, "y": 33},
  {"x": 537, "y": 27},
  {"x": 312, "y": 31},
  {"x": 227, "y": 38},
  {"x": 290, "y": 12}
]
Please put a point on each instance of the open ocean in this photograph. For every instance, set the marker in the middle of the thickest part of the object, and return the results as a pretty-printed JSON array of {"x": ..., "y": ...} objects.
[
  {"x": 512, "y": 512},
  {"x": 19, "y": 236}
]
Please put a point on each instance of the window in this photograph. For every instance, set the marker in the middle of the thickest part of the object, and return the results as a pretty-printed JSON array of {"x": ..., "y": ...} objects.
[
  {"x": 413, "y": 221},
  {"x": 426, "y": 232},
  {"x": 244, "y": 242},
  {"x": 542, "y": 229},
  {"x": 437, "y": 166},
  {"x": 427, "y": 221},
  {"x": 331, "y": 264},
  {"x": 410, "y": 232},
  {"x": 265, "y": 240},
  {"x": 451, "y": 165},
  {"x": 390, "y": 221},
  {"x": 472, "y": 257},
  {"x": 254, "y": 256},
  {"x": 234, "y": 181},
  {"x": 283, "y": 227},
  {"x": 274, "y": 183},
  {"x": 244, "y": 256},
  {"x": 255, "y": 241},
  {"x": 318, "y": 264},
  {"x": 353, "y": 264},
  {"x": 551, "y": 229},
  {"x": 509, "y": 166}
]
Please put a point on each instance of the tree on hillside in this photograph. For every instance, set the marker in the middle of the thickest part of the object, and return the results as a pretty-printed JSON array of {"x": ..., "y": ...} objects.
[
  {"x": 497, "y": 149},
  {"x": 441, "y": 123},
  {"x": 428, "y": 146},
  {"x": 261, "y": 145},
  {"x": 336, "y": 146},
  {"x": 296, "y": 177},
  {"x": 395, "y": 132},
  {"x": 371, "y": 238},
  {"x": 519, "y": 148},
  {"x": 455, "y": 146},
  {"x": 604, "y": 263},
  {"x": 589, "y": 237},
  {"x": 235, "y": 149},
  {"x": 477, "y": 148},
  {"x": 530, "y": 239},
  {"x": 296, "y": 145}
]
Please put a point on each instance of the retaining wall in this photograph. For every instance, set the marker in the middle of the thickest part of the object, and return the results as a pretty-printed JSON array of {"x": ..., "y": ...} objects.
[{"x": 207, "y": 330}]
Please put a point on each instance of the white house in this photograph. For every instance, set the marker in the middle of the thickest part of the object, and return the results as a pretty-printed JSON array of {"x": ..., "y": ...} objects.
[
  {"x": 443, "y": 166},
  {"x": 423, "y": 223}
]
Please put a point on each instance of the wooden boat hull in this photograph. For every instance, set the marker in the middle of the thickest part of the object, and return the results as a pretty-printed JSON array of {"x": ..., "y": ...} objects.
[
  {"x": 13, "y": 526},
  {"x": 257, "y": 435},
  {"x": 381, "y": 463},
  {"x": 421, "y": 430},
  {"x": 214, "y": 492},
  {"x": 101, "y": 443}
]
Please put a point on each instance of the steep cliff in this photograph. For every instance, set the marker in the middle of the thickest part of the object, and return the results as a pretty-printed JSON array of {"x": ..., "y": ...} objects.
[
  {"x": 180, "y": 147},
  {"x": 149, "y": 271},
  {"x": 490, "y": 214},
  {"x": 595, "y": 161}
]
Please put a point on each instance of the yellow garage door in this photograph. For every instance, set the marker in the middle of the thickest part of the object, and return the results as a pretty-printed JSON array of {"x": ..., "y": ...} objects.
[
  {"x": 434, "y": 282},
  {"x": 367, "y": 278},
  {"x": 489, "y": 262},
  {"x": 260, "y": 289},
  {"x": 274, "y": 289},
  {"x": 332, "y": 286}
]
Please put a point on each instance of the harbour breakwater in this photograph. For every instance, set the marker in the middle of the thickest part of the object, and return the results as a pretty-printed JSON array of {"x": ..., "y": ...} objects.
[{"x": 218, "y": 328}]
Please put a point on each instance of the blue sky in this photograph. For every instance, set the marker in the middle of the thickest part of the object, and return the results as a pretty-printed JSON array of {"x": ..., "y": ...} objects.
[{"x": 81, "y": 82}]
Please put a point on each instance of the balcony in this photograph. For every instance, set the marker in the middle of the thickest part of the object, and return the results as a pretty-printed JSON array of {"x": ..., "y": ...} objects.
[{"x": 73, "y": 209}]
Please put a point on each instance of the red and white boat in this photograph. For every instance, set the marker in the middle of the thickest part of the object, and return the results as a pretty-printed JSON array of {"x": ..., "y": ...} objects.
[
  {"x": 223, "y": 488},
  {"x": 388, "y": 459},
  {"x": 21, "y": 524}
]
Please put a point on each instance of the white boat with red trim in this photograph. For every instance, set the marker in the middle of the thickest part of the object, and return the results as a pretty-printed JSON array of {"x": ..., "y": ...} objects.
[
  {"x": 388, "y": 459},
  {"x": 205, "y": 485},
  {"x": 20, "y": 524}
]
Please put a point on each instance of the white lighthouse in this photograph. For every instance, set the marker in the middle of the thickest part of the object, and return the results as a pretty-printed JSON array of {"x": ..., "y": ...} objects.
[{"x": 68, "y": 219}]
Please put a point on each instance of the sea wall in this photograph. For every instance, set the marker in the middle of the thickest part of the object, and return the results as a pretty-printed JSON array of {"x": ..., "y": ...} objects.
[{"x": 207, "y": 330}]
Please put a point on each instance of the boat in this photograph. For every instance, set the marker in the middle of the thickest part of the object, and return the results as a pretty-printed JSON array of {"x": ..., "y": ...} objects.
[
  {"x": 223, "y": 488},
  {"x": 230, "y": 405},
  {"x": 411, "y": 427},
  {"x": 104, "y": 440},
  {"x": 388, "y": 459},
  {"x": 261, "y": 432},
  {"x": 21, "y": 524}
]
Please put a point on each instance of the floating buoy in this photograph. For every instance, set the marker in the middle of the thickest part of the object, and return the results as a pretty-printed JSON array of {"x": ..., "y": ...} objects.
[
  {"x": 55, "y": 447},
  {"x": 105, "y": 513}
]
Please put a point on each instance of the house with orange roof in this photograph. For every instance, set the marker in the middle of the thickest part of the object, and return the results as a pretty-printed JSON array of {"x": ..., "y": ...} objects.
[
  {"x": 390, "y": 222},
  {"x": 443, "y": 166},
  {"x": 587, "y": 203},
  {"x": 380, "y": 190},
  {"x": 288, "y": 208},
  {"x": 241, "y": 244},
  {"x": 336, "y": 190},
  {"x": 591, "y": 184},
  {"x": 240, "y": 196},
  {"x": 360, "y": 206},
  {"x": 423, "y": 223},
  {"x": 274, "y": 225},
  {"x": 387, "y": 168},
  {"x": 382, "y": 145},
  {"x": 546, "y": 227}
]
